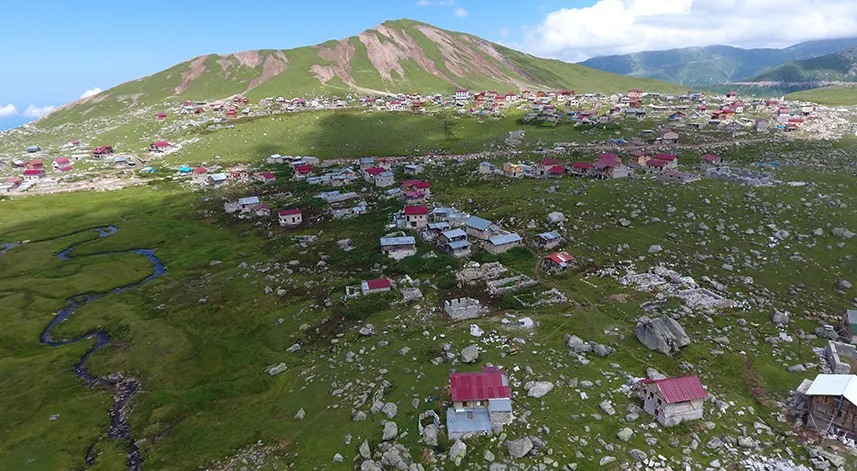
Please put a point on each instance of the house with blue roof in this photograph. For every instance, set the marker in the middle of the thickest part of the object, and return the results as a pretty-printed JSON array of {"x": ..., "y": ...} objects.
[
  {"x": 548, "y": 240},
  {"x": 478, "y": 228},
  {"x": 398, "y": 248},
  {"x": 501, "y": 243},
  {"x": 458, "y": 248},
  {"x": 850, "y": 326}
]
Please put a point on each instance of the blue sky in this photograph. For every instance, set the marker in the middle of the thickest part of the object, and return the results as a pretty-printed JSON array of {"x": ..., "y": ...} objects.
[{"x": 55, "y": 50}]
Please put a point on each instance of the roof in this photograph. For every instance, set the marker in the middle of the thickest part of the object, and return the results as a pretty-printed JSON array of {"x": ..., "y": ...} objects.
[
  {"x": 32, "y": 172},
  {"x": 852, "y": 319},
  {"x": 609, "y": 157},
  {"x": 367, "y": 160},
  {"x": 386, "y": 241},
  {"x": 200, "y": 170},
  {"x": 710, "y": 157},
  {"x": 549, "y": 235},
  {"x": 35, "y": 162},
  {"x": 65, "y": 169},
  {"x": 268, "y": 176},
  {"x": 639, "y": 153},
  {"x": 656, "y": 163},
  {"x": 248, "y": 200},
  {"x": 548, "y": 162},
  {"x": 380, "y": 283},
  {"x": 375, "y": 170},
  {"x": 458, "y": 244},
  {"x": 606, "y": 163},
  {"x": 303, "y": 168},
  {"x": 489, "y": 384},
  {"x": 290, "y": 212},
  {"x": 454, "y": 233},
  {"x": 505, "y": 239},
  {"x": 835, "y": 385},
  {"x": 161, "y": 144},
  {"x": 416, "y": 210},
  {"x": 557, "y": 169},
  {"x": 438, "y": 225},
  {"x": 478, "y": 223},
  {"x": 581, "y": 165},
  {"x": 62, "y": 160},
  {"x": 681, "y": 389},
  {"x": 218, "y": 177},
  {"x": 665, "y": 157},
  {"x": 561, "y": 258}
]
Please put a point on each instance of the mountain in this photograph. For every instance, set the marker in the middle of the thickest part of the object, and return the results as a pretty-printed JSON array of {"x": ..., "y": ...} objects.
[
  {"x": 698, "y": 66},
  {"x": 837, "y": 67},
  {"x": 396, "y": 56}
]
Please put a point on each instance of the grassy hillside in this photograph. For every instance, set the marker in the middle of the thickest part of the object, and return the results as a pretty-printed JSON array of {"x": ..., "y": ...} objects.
[
  {"x": 840, "y": 66},
  {"x": 698, "y": 66},
  {"x": 396, "y": 56},
  {"x": 840, "y": 95}
]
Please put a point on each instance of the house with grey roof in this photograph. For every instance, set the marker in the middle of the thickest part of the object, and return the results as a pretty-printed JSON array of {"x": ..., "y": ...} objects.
[
  {"x": 398, "y": 248},
  {"x": 502, "y": 243},
  {"x": 247, "y": 202},
  {"x": 458, "y": 248},
  {"x": 548, "y": 240},
  {"x": 850, "y": 325},
  {"x": 478, "y": 228},
  {"x": 385, "y": 179}
]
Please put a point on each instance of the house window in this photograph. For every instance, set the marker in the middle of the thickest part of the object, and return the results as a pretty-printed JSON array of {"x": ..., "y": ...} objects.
[{"x": 839, "y": 413}]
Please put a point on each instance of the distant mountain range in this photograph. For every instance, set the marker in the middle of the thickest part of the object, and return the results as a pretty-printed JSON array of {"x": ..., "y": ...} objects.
[
  {"x": 396, "y": 56},
  {"x": 701, "y": 66},
  {"x": 837, "y": 67}
]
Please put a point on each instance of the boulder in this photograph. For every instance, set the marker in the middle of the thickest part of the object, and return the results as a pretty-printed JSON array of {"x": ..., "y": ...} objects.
[
  {"x": 779, "y": 318},
  {"x": 367, "y": 330},
  {"x": 538, "y": 388},
  {"x": 663, "y": 334},
  {"x": 457, "y": 452},
  {"x": 555, "y": 217},
  {"x": 607, "y": 407},
  {"x": 301, "y": 414},
  {"x": 370, "y": 465},
  {"x": 844, "y": 284},
  {"x": 655, "y": 248},
  {"x": 390, "y": 409},
  {"x": 274, "y": 370},
  {"x": 638, "y": 455},
  {"x": 391, "y": 430},
  {"x": 397, "y": 457},
  {"x": 796, "y": 368},
  {"x": 294, "y": 348},
  {"x": 519, "y": 448},
  {"x": 470, "y": 353},
  {"x": 625, "y": 434},
  {"x": 364, "y": 450},
  {"x": 842, "y": 233},
  {"x": 601, "y": 350},
  {"x": 430, "y": 435},
  {"x": 577, "y": 344}
]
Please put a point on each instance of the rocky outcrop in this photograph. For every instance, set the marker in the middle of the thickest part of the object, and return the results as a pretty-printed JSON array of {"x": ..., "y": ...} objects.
[{"x": 663, "y": 334}]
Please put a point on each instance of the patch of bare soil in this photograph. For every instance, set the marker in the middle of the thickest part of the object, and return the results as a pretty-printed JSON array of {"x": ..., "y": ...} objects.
[
  {"x": 488, "y": 48},
  {"x": 275, "y": 64},
  {"x": 385, "y": 56},
  {"x": 196, "y": 69},
  {"x": 250, "y": 59},
  {"x": 340, "y": 62},
  {"x": 460, "y": 58},
  {"x": 95, "y": 184}
]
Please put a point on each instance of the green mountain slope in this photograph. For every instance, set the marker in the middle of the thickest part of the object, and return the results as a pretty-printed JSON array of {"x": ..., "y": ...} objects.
[
  {"x": 837, "y": 67},
  {"x": 396, "y": 56},
  {"x": 840, "y": 95},
  {"x": 698, "y": 66}
]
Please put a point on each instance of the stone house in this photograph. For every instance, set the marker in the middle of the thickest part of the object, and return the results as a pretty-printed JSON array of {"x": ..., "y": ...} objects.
[
  {"x": 548, "y": 240},
  {"x": 502, "y": 243},
  {"x": 833, "y": 404},
  {"x": 414, "y": 169},
  {"x": 478, "y": 228},
  {"x": 638, "y": 158},
  {"x": 543, "y": 167},
  {"x": 458, "y": 248},
  {"x": 375, "y": 286},
  {"x": 385, "y": 179},
  {"x": 217, "y": 179},
  {"x": 668, "y": 136},
  {"x": 672, "y": 401},
  {"x": 290, "y": 217},
  {"x": 849, "y": 325},
  {"x": 245, "y": 203},
  {"x": 370, "y": 173},
  {"x": 416, "y": 217},
  {"x": 487, "y": 168},
  {"x": 580, "y": 169},
  {"x": 676, "y": 176},
  {"x": 398, "y": 248},
  {"x": 670, "y": 159},
  {"x": 655, "y": 166},
  {"x": 559, "y": 261},
  {"x": 480, "y": 402},
  {"x": 711, "y": 159}
]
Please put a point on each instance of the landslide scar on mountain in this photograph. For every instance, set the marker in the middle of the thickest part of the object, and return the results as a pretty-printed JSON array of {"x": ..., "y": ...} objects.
[
  {"x": 459, "y": 56},
  {"x": 196, "y": 69},
  {"x": 339, "y": 57},
  {"x": 385, "y": 56},
  {"x": 275, "y": 64}
]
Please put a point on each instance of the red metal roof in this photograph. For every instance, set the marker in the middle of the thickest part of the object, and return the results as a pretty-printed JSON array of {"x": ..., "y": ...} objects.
[
  {"x": 416, "y": 210},
  {"x": 62, "y": 160},
  {"x": 289, "y": 212},
  {"x": 380, "y": 283},
  {"x": 161, "y": 115},
  {"x": 604, "y": 163},
  {"x": 268, "y": 176},
  {"x": 303, "y": 168},
  {"x": 200, "y": 170},
  {"x": 479, "y": 386},
  {"x": 609, "y": 157},
  {"x": 35, "y": 163},
  {"x": 547, "y": 162},
  {"x": 639, "y": 153},
  {"x": 32, "y": 172},
  {"x": 65, "y": 169},
  {"x": 561, "y": 257},
  {"x": 557, "y": 169},
  {"x": 665, "y": 157},
  {"x": 685, "y": 388},
  {"x": 582, "y": 165},
  {"x": 710, "y": 158},
  {"x": 161, "y": 144},
  {"x": 656, "y": 163},
  {"x": 375, "y": 170}
]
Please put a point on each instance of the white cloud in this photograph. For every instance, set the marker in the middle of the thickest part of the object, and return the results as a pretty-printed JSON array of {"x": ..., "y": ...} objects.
[
  {"x": 36, "y": 112},
  {"x": 504, "y": 32},
  {"x": 624, "y": 26},
  {"x": 461, "y": 12},
  {"x": 430, "y": 3},
  {"x": 92, "y": 91},
  {"x": 8, "y": 111}
]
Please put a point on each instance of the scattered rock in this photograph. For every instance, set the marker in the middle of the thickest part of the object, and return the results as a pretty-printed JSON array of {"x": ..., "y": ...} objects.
[
  {"x": 457, "y": 452},
  {"x": 391, "y": 430},
  {"x": 470, "y": 353},
  {"x": 663, "y": 334},
  {"x": 519, "y": 448},
  {"x": 538, "y": 388}
]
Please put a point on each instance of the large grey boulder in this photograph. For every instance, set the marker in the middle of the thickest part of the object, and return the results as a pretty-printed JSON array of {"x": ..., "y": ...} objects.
[
  {"x": 397, "y": 457},
  {"x": 470, "y": 353},
  {"x": 577, "y": 344},
  {"x": 391, "y": 430},
  {"x": 779, "y": 318},
  {"x": 842, "y": 232},
  {"x": 370, "y": 465},
  {"x": 430, "y": 435},
  {"x": 555, "y": 218},
  {"x": 457, "y": 452},
  {"x": 364, "y": 450},
  {"x": 538, "y": 388},
  {"x": 390, "y": 409},
  {"x": 663, "y": 334},
  {"x": 520, "y": 447}
]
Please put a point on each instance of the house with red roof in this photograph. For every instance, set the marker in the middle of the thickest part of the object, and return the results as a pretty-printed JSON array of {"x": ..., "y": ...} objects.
[
  {"x": 635, "y": 94},
  {"x": 543, "y": 167},
  {"x": 199, "y": 175},
  {"x": 370, "y": 173},
  {"x": 102, "y": 151},
  {"x": 655, "y": 166},
  {"x": 160, "y": 146},
  {"x": 376, "y": 286},
  {"x": 61, "y": 162},
  {"x": 32, "y": 174},
  {"x": 265, "y": 177},
  {"x": 302, "y": 171},
  {"x": 609, "y": 166},
  {"x": 559, "y": 261},
  {"x": 710, "y": 159},
  {"x": 74, "y": 142},
  {"x": 417, "y": 186},
  {"x": 670, "y": 159},
  {"x": 416, "y": 217},
  {"x": 35, "y": 165},
  {"x": 580, "y": 169},
  {"x": 161, "y": 116},
  {"x": 480, "y": 401},
  {"x": 290, "y": 217},
  {"x": 672, "y": 401},
  {"x": 638, "y": 158}
]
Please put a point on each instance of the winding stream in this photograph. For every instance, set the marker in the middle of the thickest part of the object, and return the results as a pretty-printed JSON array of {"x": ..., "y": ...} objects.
[{"x": 123, "y": 389}]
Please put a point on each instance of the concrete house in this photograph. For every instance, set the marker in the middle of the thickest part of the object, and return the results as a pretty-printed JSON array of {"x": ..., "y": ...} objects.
[
  {"x": 416, "y": 217},
  {"x": 414, "y": 169},
  {"x": 668, "y": 136},
  {"x": 462, "y": 95},
  {"x": 290, "y": 217},
  {"x": 710, "y": 159},
  {"x": 486, "y": 168},
  {"x": 849, "y": 325},
  {"x": 670, "y": 159},
  {"x": 385, "y": 179},
  {"x": 199, "y": 176},
  {"x": 478, "y": 228},
  {"x": 606, "y": 169},
  {"x": 375, "y": 286},
  {"x": 160, "y": 146},
  {"x": 32, "y": 175},
  {"x": 480, "y": 401},
  {"x": 247, "y": 202},
  {"x": 514, "y": 170},
  {"x": 502, "y": 243},
  {"x": 672, "y": 401},
  {"x": 543, "y": 167},
  {"x": 398, "y": 248},
  {"x": 580, "y": 169},
  {"x": 559, "y": 261},
  {"x": 367, "y": 163},
  {"x": 216, "y": 179},
  {"x": 370, "y": 173},
  {"x": 833, "y": 404},
  {"x": 548, "y": 240},
  {"x": 638, "y": 158},
  {"x": 303, "y": 171}
]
